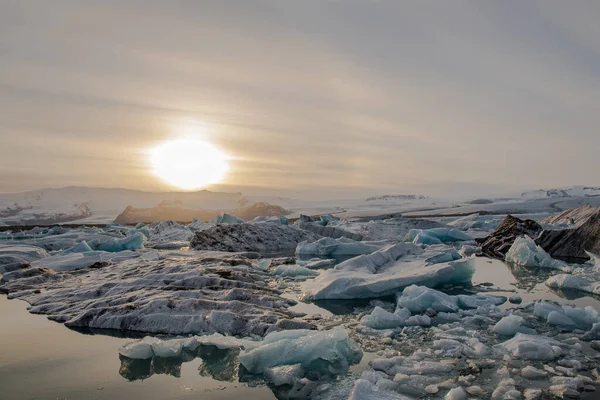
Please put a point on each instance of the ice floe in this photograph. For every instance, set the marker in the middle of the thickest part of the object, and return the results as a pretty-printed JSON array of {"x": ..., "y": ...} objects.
[
  {"x": 436, "y": 236},
  {"x": 387, "y": 271}
]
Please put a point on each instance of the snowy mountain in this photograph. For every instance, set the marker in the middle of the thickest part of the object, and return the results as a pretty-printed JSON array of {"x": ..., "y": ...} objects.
[
  {"x": 100, "y": 205},
  {"x": 573, "y": 191}
]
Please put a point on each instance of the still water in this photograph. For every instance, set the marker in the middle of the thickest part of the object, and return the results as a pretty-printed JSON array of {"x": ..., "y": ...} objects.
[{"x": 41, "y": 359}]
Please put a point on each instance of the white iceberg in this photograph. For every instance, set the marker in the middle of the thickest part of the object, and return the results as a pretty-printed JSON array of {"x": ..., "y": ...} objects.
[
  {"x": 328, "y": 247},
  {"x": 567, "y": 316},
  {"x": 382, "y": 319},
  {"x": 133, "y": 242},
  {"x": 329, "y": 351},
  {"x": 19, "y": 254},
  {"x": 294, "y": 271},
  {"x": 532, "y": 347},
  {"x": 418, "y": 299},
  {"x": 511, "y": 325},
  {"x": 385, "y": 272},
  {"x": 436, "y": 236},
  {"x": 581, "y": 283},
  {"x": 228, "y": 219},
  {"x": 525, "y": 253}
]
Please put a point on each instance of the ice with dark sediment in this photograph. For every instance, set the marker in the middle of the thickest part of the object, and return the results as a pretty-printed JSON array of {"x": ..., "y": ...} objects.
[{"x": 203, "y": 293}]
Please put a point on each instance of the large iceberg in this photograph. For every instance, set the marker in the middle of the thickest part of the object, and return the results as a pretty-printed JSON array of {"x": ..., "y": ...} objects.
[
  {"x": 532, "y": 347},
  {"x": 387, "y": 271}
]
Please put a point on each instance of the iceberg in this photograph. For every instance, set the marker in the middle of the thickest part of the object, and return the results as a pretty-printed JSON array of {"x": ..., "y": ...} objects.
[
  {"x": 171, "y": 235},
  {"x": 436, "y": 236},
  {"x": 133, "y": 242},
  {"x": 250, "y": 237},
  {"x": 229, "y": 219},
  {"x": 330, "y": 352},
  {"x": 567, "y": 316},
  {"x": 365, "y": 390},
  {"x": 476, "y": 222},
  {"x": 328, "y": 247},
  {"x": 19, "y": 254},
  {"x": 294, "y": 271},
  {"x": 574, "y": 282},
  {"x": 525, "y": 253},
  {"x": 532, "y": 347},
  {"x": 382, "y": 319},
  {"x": 385, "y": 272},
  {"x": 418, "y": 299}
]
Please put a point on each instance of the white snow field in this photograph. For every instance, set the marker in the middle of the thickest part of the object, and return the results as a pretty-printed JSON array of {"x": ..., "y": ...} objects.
[{"x": 385, "y": 307}]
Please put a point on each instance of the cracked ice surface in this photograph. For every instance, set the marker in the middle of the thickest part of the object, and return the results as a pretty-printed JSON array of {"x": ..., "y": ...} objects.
[{"x": 208, "y": 293}]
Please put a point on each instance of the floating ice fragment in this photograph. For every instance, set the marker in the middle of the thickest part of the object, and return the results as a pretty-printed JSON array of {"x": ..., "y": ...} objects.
[
  {"x": 328, "y": 247},
  {"x": 294, "y": 271},
  {"x": 511, "y": 325},
  {"x": 385, "y": 272},
  {"x": 524, "y": 252},
  {"x": 133, "y": 242},
  {"x": 436, "y": 236},
  {"x": 532, "y": 347},
  {"x": 330, "y": 351}
]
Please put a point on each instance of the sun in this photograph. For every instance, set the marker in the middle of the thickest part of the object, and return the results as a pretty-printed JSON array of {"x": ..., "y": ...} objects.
[{"x": 189, "y": 163}]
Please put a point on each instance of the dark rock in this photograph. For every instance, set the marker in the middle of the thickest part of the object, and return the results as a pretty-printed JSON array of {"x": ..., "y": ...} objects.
[
  {"x": 498, "y": 243},
  {"x": 573, "y": 243}
]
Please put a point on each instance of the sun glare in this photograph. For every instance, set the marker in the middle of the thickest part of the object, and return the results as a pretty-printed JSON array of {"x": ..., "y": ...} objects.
[{"x": 189, "y": 163}]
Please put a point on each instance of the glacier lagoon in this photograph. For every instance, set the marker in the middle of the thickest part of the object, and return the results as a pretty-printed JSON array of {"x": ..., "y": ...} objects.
[{"x": 66, "y": 363}]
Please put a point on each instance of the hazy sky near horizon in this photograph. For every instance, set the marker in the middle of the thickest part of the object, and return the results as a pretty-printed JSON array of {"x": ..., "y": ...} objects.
[{"x": 320, "y": 97}]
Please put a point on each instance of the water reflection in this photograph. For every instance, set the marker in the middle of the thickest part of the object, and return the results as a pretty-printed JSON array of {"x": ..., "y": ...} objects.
[{"x": 219, "y": 364}]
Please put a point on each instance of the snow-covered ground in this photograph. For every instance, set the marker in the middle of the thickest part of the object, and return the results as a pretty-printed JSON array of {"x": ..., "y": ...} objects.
[{"x": 407, "y": 312}]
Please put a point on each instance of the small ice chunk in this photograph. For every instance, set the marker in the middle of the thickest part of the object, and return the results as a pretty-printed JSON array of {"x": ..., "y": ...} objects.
[
  {"x": 133, "y": 242},
  {"x": 531, "y": 372},
  {"x": 382, "y": 319},
  {"x": 456, "y": 394},
  {"x": 511, "y": 325},
  {"x": 284, "y": 375},
  {"x": 229, "y": 219},
  {"x": 167, "y": 348},
  {"x": 436, "y": 236},
  {"x": 263, "y": 265},
  {"x": 515, "y": 299},
  {"x": 531, "y": 347},
  {"x": 294, "y": 270}
]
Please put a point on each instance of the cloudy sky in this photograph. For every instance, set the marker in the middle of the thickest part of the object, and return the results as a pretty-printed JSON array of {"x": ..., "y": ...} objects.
[{"x": 316, "y": 97}]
